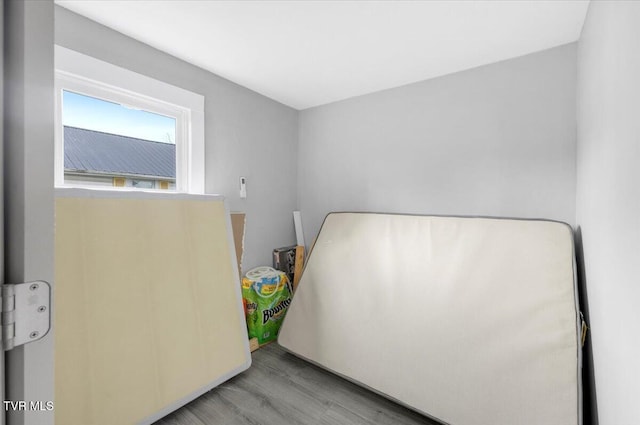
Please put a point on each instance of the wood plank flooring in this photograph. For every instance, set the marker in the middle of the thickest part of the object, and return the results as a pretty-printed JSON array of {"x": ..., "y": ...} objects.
[{"x": 280, "y": 389}]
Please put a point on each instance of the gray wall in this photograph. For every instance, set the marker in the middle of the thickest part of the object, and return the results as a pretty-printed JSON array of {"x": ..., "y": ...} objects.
[
  {"x": 608, "y": 201},
  {"x": 246, "y": 134},
  {"x": 495, "y": 140}
]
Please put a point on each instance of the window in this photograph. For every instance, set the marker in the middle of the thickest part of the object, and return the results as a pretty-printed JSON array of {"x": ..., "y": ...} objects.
[
  {"x": 121, "y": 129},
  {"x": 109, "y": 144},
  {"x": 144, "y": 184}
]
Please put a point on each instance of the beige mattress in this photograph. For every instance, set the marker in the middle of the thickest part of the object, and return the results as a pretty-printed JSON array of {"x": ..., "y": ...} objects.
[
  {"x": 470, "y": 321},
  {"x": 148, "y": 310}
]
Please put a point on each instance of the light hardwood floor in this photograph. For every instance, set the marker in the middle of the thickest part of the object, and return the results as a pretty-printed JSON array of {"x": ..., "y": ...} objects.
[{"x": 280, "y": 389}]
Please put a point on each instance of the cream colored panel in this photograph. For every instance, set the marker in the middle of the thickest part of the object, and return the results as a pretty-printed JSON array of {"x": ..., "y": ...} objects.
[
  {"x": 147, "y": 306},
  {"x": 469, "y": 320}
]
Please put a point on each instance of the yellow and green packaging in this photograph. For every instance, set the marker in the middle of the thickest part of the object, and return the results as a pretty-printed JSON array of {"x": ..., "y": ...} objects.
[{"x": 266, "y": 295}]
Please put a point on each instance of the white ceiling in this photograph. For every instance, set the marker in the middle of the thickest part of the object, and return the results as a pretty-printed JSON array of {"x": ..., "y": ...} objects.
[{"x": 308, "y": 53}]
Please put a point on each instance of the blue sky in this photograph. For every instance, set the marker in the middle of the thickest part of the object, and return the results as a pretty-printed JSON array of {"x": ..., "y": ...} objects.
[{"x": 95, "y": 114}]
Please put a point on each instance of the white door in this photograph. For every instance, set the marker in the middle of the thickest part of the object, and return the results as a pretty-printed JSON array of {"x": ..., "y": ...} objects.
[
  {"x": 2, "y": 415},
  {"x": 28, "y": 190}
]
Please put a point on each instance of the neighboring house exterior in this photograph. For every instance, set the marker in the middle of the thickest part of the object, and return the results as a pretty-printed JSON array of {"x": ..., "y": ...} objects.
[{"x": 104, "y": 159}]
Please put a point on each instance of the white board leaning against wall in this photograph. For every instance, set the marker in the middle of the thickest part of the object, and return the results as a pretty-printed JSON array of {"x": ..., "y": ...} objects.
[{"x": 148, "y": 306}]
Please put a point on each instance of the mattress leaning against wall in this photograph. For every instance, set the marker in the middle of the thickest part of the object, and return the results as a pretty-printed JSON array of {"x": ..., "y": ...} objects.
[
  {"x": 148, "y": 313},
  {"x": 471, "y": 321}
]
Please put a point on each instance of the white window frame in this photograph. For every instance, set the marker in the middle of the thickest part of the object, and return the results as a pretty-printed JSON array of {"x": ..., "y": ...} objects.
[{"x": 79, "y": 73}]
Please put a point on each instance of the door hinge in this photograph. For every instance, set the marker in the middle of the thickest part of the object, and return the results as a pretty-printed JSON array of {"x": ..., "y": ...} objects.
[{"x": 26, "y": 314}]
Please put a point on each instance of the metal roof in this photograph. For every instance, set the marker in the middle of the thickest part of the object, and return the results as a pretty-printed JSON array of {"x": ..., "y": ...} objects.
[{"x": 92, "y": 151}]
